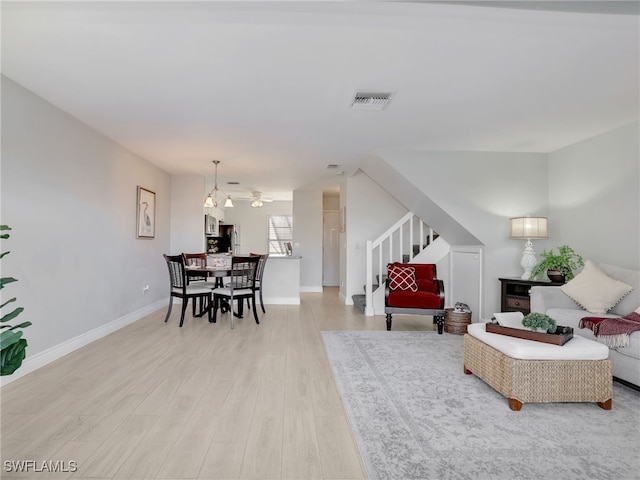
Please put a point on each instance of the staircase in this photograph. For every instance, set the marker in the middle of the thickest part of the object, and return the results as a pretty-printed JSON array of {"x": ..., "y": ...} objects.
[{"x": 402, "y": 242}]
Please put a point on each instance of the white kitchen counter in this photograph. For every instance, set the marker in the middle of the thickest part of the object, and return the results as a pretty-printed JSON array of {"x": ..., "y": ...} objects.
[{"x": 281, "y": 280}]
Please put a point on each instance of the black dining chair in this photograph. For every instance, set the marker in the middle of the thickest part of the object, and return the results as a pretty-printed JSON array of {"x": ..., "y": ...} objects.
[
  {"x": 241, "y": 286},
  {"x": 197, "y": 278},
  {"x": 259, "y": 276},
  {"x": 180, "y": 288}
]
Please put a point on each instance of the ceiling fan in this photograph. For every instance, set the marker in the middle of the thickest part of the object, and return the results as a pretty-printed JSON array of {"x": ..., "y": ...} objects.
[{"x": 257, "y": 200}]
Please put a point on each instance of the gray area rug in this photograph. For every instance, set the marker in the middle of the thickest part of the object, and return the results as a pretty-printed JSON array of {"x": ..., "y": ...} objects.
[{"x": 415, "y": 415}]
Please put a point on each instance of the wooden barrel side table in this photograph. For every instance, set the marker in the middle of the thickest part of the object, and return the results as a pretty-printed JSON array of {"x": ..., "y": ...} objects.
[{"x": 456, "y": 322}]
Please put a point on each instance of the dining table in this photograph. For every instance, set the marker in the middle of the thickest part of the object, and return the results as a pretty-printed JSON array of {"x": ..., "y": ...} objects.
[
  {"x": 218, "y": 272},
  {"x": 215, "y": 271}
]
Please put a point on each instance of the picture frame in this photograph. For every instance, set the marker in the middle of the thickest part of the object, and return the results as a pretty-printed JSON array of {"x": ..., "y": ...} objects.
[{"x": 146, "y": 213}]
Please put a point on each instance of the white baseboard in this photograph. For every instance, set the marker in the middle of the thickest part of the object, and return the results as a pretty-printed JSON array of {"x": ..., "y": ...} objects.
[
  {"x": 282, "y": 301},
  {"x": 312, "y": 289},
  {"x": 39, "y": 360}
]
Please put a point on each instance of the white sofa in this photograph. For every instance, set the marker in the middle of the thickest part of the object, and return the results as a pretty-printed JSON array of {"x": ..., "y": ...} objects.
[{"x": 559, "y": 306}]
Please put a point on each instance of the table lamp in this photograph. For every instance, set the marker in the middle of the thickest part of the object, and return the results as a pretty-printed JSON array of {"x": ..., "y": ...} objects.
[{"x": 528, "y": 228}]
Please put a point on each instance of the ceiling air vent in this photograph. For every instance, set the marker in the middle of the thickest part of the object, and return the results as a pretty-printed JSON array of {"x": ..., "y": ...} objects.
[{"x": 370, "y": 100}]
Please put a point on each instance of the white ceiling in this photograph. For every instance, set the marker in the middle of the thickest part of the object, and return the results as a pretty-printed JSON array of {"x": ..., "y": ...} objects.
[{"x": 265, "y": 87}]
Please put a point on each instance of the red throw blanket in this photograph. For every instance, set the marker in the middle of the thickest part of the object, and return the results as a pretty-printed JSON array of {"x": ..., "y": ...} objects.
[{"x": 613, "y": 332}]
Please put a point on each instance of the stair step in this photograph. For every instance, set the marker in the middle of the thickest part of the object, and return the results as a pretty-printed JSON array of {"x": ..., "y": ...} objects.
[{"x": 359, "y": 301}]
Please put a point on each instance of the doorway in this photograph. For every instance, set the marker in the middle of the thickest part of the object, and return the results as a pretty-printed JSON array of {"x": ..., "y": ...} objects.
[{"x": 331, "y": 248}]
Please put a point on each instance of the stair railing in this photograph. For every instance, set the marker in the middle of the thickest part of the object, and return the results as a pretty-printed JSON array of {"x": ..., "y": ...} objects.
[{"x": 385, "y": 250}]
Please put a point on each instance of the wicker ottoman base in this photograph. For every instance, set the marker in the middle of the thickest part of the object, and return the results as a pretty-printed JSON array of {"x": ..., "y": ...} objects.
[{"x": 532, "y": 381}]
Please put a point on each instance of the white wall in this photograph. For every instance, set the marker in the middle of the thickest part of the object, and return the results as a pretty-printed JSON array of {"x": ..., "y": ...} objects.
[
  {"x": 252, "y": 223},
  {"x": 594, "y": 193},
  {"x": 307, "y": 237},
  {"x": 69, "y": 194},
  {"x": 187, "y": 216},
  {"x": 370, "y": 211}
]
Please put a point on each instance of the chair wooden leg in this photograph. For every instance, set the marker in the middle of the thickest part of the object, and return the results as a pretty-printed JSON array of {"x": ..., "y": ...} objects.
[
  {"x": 262, "y": 302},
  {"x": 255, "y": 312},
  {"x": 184, "y": 309},
  {"x": 232, "y": 319},
  {"x": 169, "y": 310},
  {"x": 210, "y": 305},
  {"x": 388, "y": 321},
  {"x": 215, "y": 309}
]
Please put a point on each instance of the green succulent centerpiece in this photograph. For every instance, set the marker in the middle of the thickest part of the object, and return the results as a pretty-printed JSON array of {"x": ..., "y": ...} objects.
[
  {"x": 539, "y": 322},
  {"x": 12, "y": 345},
  {"x": 565, "y": 262}
]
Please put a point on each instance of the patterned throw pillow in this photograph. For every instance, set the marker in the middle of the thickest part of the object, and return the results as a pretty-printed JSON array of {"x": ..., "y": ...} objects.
[{"x": 402, "y": 278}]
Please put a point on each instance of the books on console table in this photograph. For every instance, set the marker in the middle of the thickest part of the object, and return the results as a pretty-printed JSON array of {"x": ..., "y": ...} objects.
[{"x": 561, "y": 336}]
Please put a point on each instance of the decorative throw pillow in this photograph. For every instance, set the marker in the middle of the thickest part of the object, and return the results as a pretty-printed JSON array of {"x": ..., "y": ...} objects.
[
  {"x": 594, "y": 290},
  {"x": 402, "y": 278}
]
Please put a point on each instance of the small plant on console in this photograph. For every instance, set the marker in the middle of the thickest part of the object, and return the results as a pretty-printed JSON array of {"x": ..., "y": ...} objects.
[{"x": 565, "y": 262}]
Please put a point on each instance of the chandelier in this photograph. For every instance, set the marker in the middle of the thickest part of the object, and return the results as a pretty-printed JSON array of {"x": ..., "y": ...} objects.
[{"x": 212, "y": 199}]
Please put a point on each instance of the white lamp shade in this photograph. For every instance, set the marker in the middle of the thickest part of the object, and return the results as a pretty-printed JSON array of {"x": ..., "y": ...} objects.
[
  {"x": 228, "y": 203},
  {"x": 528, "y": 227},
  {"x": 208, "y": 202}
]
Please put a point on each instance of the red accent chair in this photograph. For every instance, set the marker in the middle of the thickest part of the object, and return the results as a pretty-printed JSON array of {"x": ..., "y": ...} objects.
[{"x": 427, "y": 299}]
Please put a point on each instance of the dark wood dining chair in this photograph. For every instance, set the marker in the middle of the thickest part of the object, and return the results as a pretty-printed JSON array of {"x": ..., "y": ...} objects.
[
  {"x": 180, "y": 288},
  {"x": 259, "y": 275},
  {"x": 241, "y": 286},
  {"x": 199, "y": 259},
  {"x": 198, "y": 278}
]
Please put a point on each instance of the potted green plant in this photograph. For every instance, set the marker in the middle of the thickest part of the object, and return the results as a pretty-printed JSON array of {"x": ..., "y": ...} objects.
[
  {"x": 559, "y": 266},
  {"x": 539, "y": 322},
  {"x": 12, "y": 345}
]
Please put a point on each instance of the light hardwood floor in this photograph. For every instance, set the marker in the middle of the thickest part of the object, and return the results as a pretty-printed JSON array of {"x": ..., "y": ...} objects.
[{"x": 200, "y": 402}]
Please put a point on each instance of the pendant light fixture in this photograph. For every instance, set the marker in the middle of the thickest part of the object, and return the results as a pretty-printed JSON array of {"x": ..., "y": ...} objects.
[{"x": 212, "y": 199}]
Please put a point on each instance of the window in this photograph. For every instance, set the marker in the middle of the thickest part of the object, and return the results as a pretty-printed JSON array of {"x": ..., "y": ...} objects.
[{"x": 280, "y": 233}]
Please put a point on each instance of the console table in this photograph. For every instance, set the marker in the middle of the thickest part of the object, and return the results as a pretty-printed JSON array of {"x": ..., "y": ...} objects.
[{"x": 515, "y": 293}]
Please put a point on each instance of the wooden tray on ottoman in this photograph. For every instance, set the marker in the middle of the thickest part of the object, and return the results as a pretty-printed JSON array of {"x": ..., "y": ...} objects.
[{"x": 560, "y": 337}]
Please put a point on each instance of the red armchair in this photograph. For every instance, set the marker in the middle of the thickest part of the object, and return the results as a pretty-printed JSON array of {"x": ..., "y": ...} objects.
[{"x": 414, "y": 289}]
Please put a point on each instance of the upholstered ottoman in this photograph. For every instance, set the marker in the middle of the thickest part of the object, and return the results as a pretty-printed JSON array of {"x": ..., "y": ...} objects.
[{"x": 526, "y": 371}]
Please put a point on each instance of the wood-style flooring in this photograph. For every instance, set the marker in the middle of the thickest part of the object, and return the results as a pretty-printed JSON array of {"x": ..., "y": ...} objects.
[{"x": 155, "y": 401}]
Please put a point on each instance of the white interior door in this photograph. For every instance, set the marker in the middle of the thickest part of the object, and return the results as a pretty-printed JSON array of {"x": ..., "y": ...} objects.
[
  {"x": 331, "y": 249},
  {"x": 466, "y": 279}
]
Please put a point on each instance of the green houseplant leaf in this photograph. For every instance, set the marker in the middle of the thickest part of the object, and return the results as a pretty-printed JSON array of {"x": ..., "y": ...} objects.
[
  {"x": 6, "y": 280},
  {"x": 12, "y": 315},
  {"x": 8, "y": 338},
  {"x": 11, "y": 357},
  {"x": 12, "y": 345}
]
